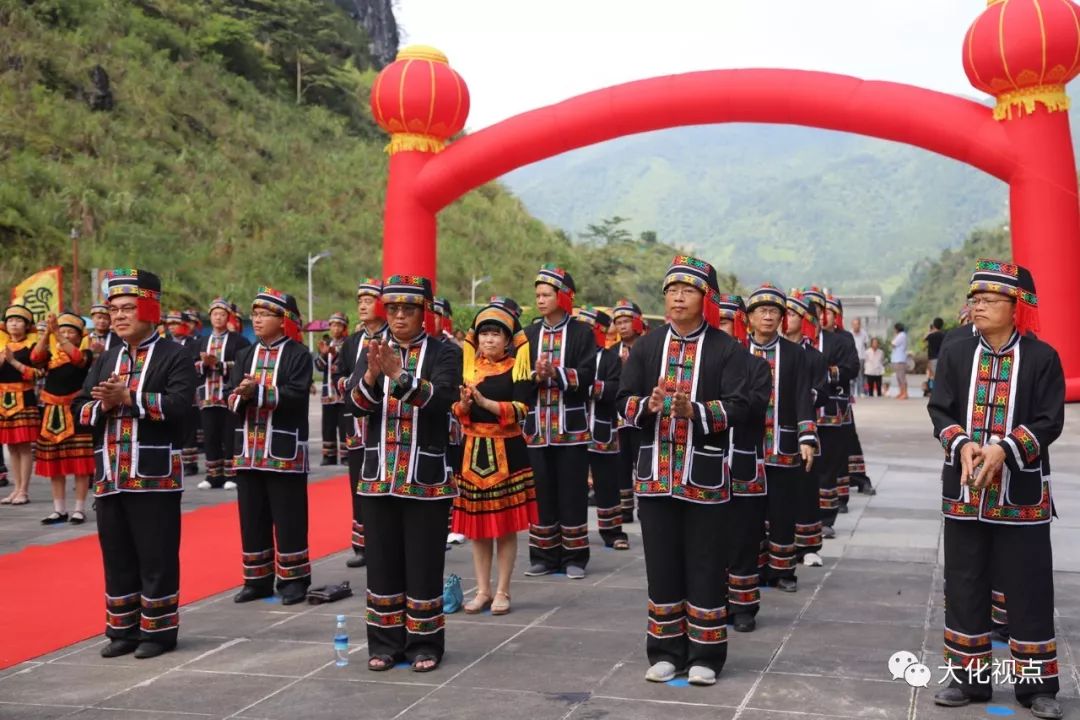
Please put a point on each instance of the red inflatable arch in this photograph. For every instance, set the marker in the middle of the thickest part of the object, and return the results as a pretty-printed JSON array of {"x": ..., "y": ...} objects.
[{"x": 1023, "y": 52}]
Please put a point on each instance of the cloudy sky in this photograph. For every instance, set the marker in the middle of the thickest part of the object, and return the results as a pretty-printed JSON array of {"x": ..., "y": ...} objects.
[{"x": 519, "y": 54}]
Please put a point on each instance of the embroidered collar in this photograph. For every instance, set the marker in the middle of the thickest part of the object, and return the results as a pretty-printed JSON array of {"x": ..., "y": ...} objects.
[
  {"x": 1006, "y": 348},
  {"x": 277, "y": 343},
  {"x": 382, "y": 329},
  {"x": 690, "y": 336},
  {"x": 559, "y": 325},
  {"x": 767, "y": 346},
  {"x": 411, "y": 343},
  {"x": 218, "y": 335}
]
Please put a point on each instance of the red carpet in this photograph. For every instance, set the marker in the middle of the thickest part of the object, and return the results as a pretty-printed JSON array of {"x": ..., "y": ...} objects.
[{"x": 54, "y": 594}]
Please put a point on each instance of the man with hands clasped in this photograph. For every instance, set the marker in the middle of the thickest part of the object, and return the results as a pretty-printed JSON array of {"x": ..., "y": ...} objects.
[{"x": 998, "y": 403}]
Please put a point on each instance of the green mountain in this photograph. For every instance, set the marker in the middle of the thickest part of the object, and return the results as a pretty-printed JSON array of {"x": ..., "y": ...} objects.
[
  {"x": 938, "y": 288},
  {"x": 788, "y": 204},
  {"x": 218, "y": 142}
]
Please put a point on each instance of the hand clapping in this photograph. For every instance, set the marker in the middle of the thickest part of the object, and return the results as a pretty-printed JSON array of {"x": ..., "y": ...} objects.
[{"x": 111, "y": 392}]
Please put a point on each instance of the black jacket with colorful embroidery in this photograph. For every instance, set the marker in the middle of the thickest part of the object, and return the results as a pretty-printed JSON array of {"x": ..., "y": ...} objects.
[
  {"x": 137, "y": 447},
  {"x": 408, "y": 428},
  {"x": 685, "y": 458},
  {"x": 1013, "y": 397},
  {"x": 559, "y": 415}
]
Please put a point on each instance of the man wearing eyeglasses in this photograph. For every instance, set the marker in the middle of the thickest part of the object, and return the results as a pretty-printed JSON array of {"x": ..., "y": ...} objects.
[
  {"x": 136, "y": 398},
  {"x": 404, "y": 385},
  {"x": 268, "y": 391},
  {"x": 997, "y": 406}
]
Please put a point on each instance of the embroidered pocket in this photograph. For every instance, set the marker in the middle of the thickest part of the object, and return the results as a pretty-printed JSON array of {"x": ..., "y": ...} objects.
[
  {"x": 431, "y": 468},
  {"x": 155, "y": 461},
  {"x": 709, "y": 468},
  {"x": 283, "y": 444}
]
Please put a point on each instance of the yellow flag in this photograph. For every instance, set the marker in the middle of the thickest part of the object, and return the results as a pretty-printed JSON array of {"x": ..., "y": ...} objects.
[{"x": 42, "y": 293}]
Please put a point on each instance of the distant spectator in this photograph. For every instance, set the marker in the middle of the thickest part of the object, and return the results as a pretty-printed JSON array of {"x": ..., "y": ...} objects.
[
  {"x": 862, "y": 341},
  {"x": 899, "y": 360},
  {"x": 933, "y": 341},
  {"x": 873, "y": 366}
]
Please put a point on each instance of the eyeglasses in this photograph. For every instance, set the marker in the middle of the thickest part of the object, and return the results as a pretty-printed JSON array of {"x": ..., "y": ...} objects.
[
  {"x": 123, "y": 309},
  {"x": 767, "y": 311},
  {"x": 404, "y": 309},
  {"x": 980, "y": 301},
  {"x": 263, "y": 314},
  {"x": 681, "y": 291}
]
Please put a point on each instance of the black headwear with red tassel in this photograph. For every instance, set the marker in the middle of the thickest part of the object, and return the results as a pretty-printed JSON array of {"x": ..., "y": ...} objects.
[{"x": 1010, "y": 280}]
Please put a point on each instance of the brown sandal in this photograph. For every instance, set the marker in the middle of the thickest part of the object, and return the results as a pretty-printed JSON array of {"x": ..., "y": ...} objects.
[
  {"x": 476, "y": 605},
  {"x": 500, "y": 607}
]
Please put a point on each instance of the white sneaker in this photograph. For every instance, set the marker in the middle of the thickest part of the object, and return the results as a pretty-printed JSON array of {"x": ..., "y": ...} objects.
[
  {"x": 811, "y": 560},
  {"x": 662, "y": 671},
  {"x": 455, "y": 539},
  {"x": 229, "y": 485},
  {"x": 699, "y": 675},
  {"x": 204, "y": 485}
]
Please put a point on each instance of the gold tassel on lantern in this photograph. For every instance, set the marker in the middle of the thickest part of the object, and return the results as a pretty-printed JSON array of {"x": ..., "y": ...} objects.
[
  {"x": 1023, "y": 101},
  {"x": 400, "y": 142}
]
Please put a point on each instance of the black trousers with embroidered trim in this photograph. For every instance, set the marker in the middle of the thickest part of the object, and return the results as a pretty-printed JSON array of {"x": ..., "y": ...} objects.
[
  {"x": 747, "y": 515},
  {"x": 333, "y": 436},
  {"x": 139, "y": 534},
  {"x": 783, "y": 508},
  {"x": 686, "y": 558},
  {"x": 219, "y": 430},
  {"x": 808, "y": 514},
  {"x": 629, "y": 446},
  {"x": 1019, "y": 560},
  {"x": 562, "y": 496},
  {"x": 605, "y": 476},
  {"x": 356, "y": 465},
  {"x": 406, "y": 555},
  {"x": 274, "y": 527},
  {"x": 828, "y": 466}
]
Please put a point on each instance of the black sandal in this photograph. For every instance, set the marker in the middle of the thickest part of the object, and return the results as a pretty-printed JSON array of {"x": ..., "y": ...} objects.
[
  {"x": 54, "y": 518},
  {"x": 78, "y": 517},
  {"x": 380, "y": 663},
  {"x": 424, "y": 658}
]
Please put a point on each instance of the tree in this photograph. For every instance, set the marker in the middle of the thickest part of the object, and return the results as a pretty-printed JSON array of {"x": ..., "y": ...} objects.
[{"x": 608, "y": 231}]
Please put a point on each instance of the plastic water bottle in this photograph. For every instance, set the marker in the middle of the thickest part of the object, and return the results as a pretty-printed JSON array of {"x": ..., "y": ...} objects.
[{"x": 341, "y": 642}]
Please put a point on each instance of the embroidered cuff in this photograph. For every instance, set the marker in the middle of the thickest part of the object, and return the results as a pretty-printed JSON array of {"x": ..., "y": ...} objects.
[
  {"x": 1023, "y": 447},
  {"x": 808, "y": 433},
  {"x": 342, "y": 383},
  {"x": 566, "y": 378},
  {"x": 952, "y": 439},
  {"x": 598, "y": 388},
  {"x": 235, "y": 401},
  {"x": 710, "y": 416},
  {"x": 633, "y": 410},
  {"x": 266, "y": 397},
  {"x": 89, "y": 413},
  {"x": 150, "y": 406},
  {"x": 365, "y": 398},
  {"x": 419, "y": 393}
]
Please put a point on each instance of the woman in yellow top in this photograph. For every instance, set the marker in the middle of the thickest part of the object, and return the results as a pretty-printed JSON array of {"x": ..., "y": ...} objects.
[
  {"x": 497, "y": 496},
  {"x": 19, "y": 417}
]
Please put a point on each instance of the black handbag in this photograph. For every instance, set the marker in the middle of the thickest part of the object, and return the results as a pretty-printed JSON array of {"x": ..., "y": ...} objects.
[{"x": 329, "y": 593}]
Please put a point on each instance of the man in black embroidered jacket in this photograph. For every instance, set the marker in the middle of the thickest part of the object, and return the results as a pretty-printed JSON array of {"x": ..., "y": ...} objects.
[
  {"x": 268, "y": 391},
  {"x": 136, "y": 398},
  {"x": 997, "y": 406},
  {"x": 372, "y": 314},
  {"x": 790, "y": 437},
  {"x": 604, "y": 448},
  {"x": 748, "y": 486},
  {"x": 684, "y": 386},
  {"x": 557, "y": 428},
  {"x": 842, "y": 366},
  {"x": 216, "y": 355},
  {"x": 405, "y": 386}
]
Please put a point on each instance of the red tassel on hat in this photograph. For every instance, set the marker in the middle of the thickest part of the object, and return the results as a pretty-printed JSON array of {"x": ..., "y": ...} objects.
[
  {"x": 740, "y": 331},
  {"x": 148, "y": 310},
  {"x": 380, "y": 309},
  {"x": 566, "y": 301},
  {"x": 292, "y": 330},
  {"x": 638, "y": 325},
  {"x": 601, "y": 336},
  {"x": 711, "y": 311},
  {"x": 429, "y": 321},
  {"x": 809, "y": 328},
  {"x": 1027, "y": 318}
]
